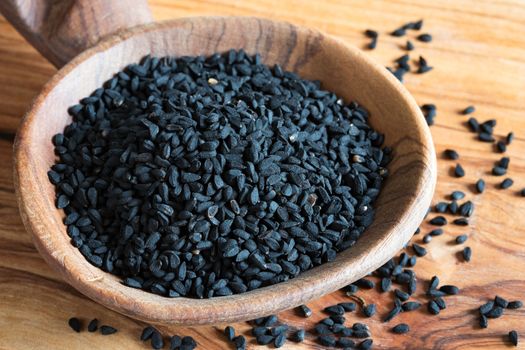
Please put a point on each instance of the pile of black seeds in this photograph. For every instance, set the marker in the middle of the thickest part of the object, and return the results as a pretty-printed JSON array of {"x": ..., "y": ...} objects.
[
  {"x": 77, "y": 325},
  {"x": 210, "y": 176}
]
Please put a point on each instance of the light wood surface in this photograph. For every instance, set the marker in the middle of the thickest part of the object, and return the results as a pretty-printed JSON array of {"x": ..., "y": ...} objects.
[
  {"x": 477, "y": 53},
  {"x": 401, "y": 206}
]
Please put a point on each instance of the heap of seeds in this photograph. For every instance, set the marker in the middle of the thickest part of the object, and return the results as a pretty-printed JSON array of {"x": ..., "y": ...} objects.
[{"x": 209, "y": 176}]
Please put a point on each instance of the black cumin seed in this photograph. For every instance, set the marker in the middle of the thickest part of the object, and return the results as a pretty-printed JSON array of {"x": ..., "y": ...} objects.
[
  {"x": 147, "y": 333},
  {"x": 298, "y": 336},
  {"x": 451, "y": 154},
  {"x": 364, "y": 283},
  {"x": 480, "y": 186},
  {"x": 371, "y": 33},
  {"x": 264, "y": 339},
  {"x": 386, "y": 284},
  {"x": 409, "y": 46},
  {"x": 369, "y": 310},
  {"x": 419, "y": 250},
  {"x": 468, "y": 110},
  {"x": 366, "y": 344},
  {"x": 449, "y": 289},
  {"x": 466, "y": 209},
  {"x": 522, "y": 192},
  {"x": 175, "y": 342},
  {"x": 279, "y": 340},
  {"x": 305, "y": 311},
  {"x": 327, "y": 340},
  {"x": 483, "y": 321},
  {"x": 93, "y": 325},
  {"x": 438, "y": 221},
  {"x": 461, "y": 239},
  {"x": 501, "y": 301},
  {"x": 509, "y": 138},
  {"x": 434, "y": 282},
  {"x": 433, "y": 307},
  {"x": 156, "y": 341},
  {"x": 436, "y": 232},
  {"x": 229, "y": 332},
  {"x": 348, "y": 306},
  {"x": 516, "y": 304},
  {"x": 399, "y": 32},
  {"x": 335, "y": 310},
  {"x": 460, "y": 221},
  {"x": 75, "y": 324},
  {"x": 457, "y": 195},
  {"x": 501, "y": 147},
  {"x": 496, "y": 312},
  {"x": 410, "y": 306},
  {"x": 513, "y": 338},
  {"x": 485, "y": 137},
  {"x": 392, "y": 313},
  {"x": 426, "y": 38},
  {"x": 401, "y": 328},
  {"x": 107, "y": 330},
  {"x": 485, "y": 308},
  {"x": 427, "y": 239},
  {"x": 441, "y": 207},
  {"x": 345, "y": 343},
  {"x": 467, "y": 253},
  {"x": 506, "y": 183},
  {"x": 459, "y": 171}
]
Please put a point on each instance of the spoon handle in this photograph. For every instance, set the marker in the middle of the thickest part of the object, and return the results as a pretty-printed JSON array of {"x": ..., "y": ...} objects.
[{"x": 61, "y": 29}]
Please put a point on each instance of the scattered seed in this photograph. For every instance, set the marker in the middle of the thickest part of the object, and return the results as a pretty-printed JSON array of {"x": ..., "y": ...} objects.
[
  {"x": 401, "y": 328},
  {"x": 75, "y": 324},
  {"x": 516, "y": 304},
  {"x": 451, "y": 154},
  {"x": 506, "y": 183},
  {"x": 480, "y": 186},
  {"x": 468, "y": 110},
  {"x": 467, "y": 253},
  {"x": 461, "y": 239},
  {"x": 438, "y": 221},
  {"x": 513, "y": 337},
  {"x": 305, "y": 311},
  {"x": 409, "y": 46},
  {"x": 460, "y": 221},
  {"x": 426, "y": 38},
  {"x": 459, "y": 171},
  {"x": 419, "y": 250},
  {"x": 93, "y": 325},
  {"x": 369, "y": 310},
  {"x": 229, "y": 332},
  {"x": 107, "y": 330}
]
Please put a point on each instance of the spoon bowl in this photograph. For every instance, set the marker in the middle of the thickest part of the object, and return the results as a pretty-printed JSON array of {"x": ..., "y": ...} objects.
[{"x": 345, "y": 70}]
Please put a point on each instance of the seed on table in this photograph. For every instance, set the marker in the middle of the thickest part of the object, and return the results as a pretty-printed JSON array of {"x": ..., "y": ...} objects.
[
  {"x": 441, "y": 207},
  {"x": 401, "y": 328},
  {"x": 147, "y": 332},
  {"x": 459, "y": 171},
  {"x": 496, "y": 312},
  {"x": 509, "y": 138},
  {"x": 453, "y": 207},
  {"x": 480, "y": 186},
  {"x": 327, "y": 340},
  {"x": 513, "y": 337},
  {"x": 365, "y": 283},
  {"x": 469, "y": 110},
  {"x": 483, "y": 321},
  {"x": 392, "y": 313},
  {"x": 423, "y": 65},
  {"x": 348, "y": 306},
  {"x": 264, "y": 339},
  {"x": 424, "y": 38},
  {"x": 508, "y": 182},
  {"x": 473, "y": 124},
  {"x": 369, "y": 310},
  {"x": 467, "y": 253},
  {"x": 433, "y": 307},
  {"x": 75, "y": 324},
  {"x": 466, "y": 209},
  {"x": 449, "y": 289},
  {"x": 371, "y": 33},
  {"x": 451, "y": 154},
  {"x": 107, "y": 330},
  {"x": 501, "y": 146},
  {"x": 175, "y": 342},
  {"x": 298, "y": 336},
  {"x": 335, "y": 310},
  {"x": 461, "y": 239},
  {"x": 386, "y": 284},
  {"x": 427, "y": 238},
  {"x": 516, "y": 304},
  {"x": 436, "y": 232},
  {"x": 399, "y": 32},
  {"x": 410, "y": 306},
  {"x": 419, "y": 250},
  {"x": 366, "y": 344},
  {"x": 501, "y": 301},
  {"x": 346, "y": 343},
  {"x": 409, "y": 46},
  {"x": 438, "y": 221},
  {"x": 240, "y": 342},
  {"x": 485, "y": 308},
  {"x": 93, "y": 325},
  {"x": 460, "y": 221},
  {"x": 485, "y": 137}
]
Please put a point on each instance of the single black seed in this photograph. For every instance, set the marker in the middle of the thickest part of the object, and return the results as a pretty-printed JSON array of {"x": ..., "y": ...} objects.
[
  {"x": 451, "y": 154},
  {"x": 147, "y": 333},
  {"x": 480, "y": 186},
  {"x": 335, "y": 310},
  {"x": 434, "y": 283},
  {"x": 364, "y": 283},
  {"x": 509, "y": 138},
  {"x": 410, "y": 306},
  {"x": 346, "y": 343},
  {"x": 409, "y": 46},
  {"x": 508, "y": 182},
  {"x": 401, "y": 295},
  {"x": 392, "y": 313},
  {"x": 466, "y": 209},
  {"x": 499, "y": 171},
  {"x": 459, "y": 171},
  {"x": 419, "y": 250},
  {"x": 401, "y": 328},
  {"x": 229, "y": 332},
  {"x": 366, "y": 344},
  {"x": 423, "y": 65},
  {"x": 175, "y": 342},
  {"x": 264, "y": 339},
  {"x": 516, "y": 304},
  {"x": 513, "y": 338},
  {"x": 501, "y": 301},
  {"x": 279, "y": 340},
  {"x": 449, "y": 289},
  {"x": 427, "y": 239},
  {"x": 460, "y": 221},
  {"x": 426, "y": 38},
  {"x": 348, "y": 306},
  {"x": 522, "y": 192},
  {"x": 469, "y": 110},
  {"x": 327, "y": 340},
  {"x": 75, "y": 324},
  {"x": 461, "y": 239},
  {"x": 298, "y": 336},
  {"x": 438, "y": 221},
  {"x": 436, "y": 232},
  {"x": 501, "y": 147},
  {"x": 457, "y": 195},
  {"x": 485, "y": 137},
  {"x": 485, "y": 308},
  {"x": 399, "y": 32},
  {"x": 369, "y": 310},
  {"x": 156, "y": 341},
  {"x": 483, "y": 321},
  {"x": 107, "y": 330},
  {"x": 467, "y": 253},
  {"x": 441, "y": 207},
  {"x": 240, "y": 342},
  {"x": 93, "y": 325},
  {"x": 371, "y": 33},
  {"x": 386, "y": 284},
  {"x": 433, "y": 307},
  {"x": 305, "y": 311},
  {"x": 473, "y": 124}
]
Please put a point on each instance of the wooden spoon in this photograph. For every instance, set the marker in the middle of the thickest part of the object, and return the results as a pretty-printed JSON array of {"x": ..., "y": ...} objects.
[{"x": 62, "y": 30}]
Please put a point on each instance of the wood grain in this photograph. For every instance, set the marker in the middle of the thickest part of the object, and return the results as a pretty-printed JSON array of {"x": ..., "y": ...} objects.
[
  {"x": 403, "y": 201},
  {"x": 478, "y": 54}
]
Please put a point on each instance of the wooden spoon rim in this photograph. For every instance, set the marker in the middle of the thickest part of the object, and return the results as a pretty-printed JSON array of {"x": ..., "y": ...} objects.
[{"x": 156, "y": 309}]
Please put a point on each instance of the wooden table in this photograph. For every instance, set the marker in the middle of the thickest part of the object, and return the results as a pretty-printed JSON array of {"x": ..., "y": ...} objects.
[{"x": 478, "y": 54}]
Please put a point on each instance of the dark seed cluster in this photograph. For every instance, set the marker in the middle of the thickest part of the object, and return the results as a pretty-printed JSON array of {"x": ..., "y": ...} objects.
[
  {"x": 210, "y": 176},
  {"x": 77, "y": 325}
]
